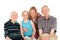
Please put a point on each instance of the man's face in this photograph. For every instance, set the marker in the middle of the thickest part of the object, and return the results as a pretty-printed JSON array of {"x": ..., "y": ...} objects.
[
  {"x": 45, "y": 11},
  {"x": 14, "y": 16}
]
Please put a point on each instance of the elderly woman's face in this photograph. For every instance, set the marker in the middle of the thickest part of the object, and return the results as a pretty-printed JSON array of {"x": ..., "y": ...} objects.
[
  {"x": 14, "y": 16},
  {"x": 32, "y": 13}
]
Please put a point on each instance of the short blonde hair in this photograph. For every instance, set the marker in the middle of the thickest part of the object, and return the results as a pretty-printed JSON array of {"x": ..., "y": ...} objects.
[
  {"x": 45, "y": 6},
  {"x": 14, "y": 12},
  {"x": 24, "y": 12}
]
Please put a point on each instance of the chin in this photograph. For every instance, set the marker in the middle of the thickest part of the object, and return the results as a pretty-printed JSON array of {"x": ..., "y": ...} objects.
[{"x": 15, "y": 19}]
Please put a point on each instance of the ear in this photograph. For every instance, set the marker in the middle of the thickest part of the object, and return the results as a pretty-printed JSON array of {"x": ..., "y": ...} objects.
[
  {"x": 49, "y": 9},
  {"x": 11, "y": 16}
]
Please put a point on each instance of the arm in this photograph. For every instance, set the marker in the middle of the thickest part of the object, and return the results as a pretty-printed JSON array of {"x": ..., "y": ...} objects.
[
  {"x": 40, "y": 32},
  {"x": 33, "y": 29},
  {"x": 52, "y": 32},
  {"x": 6, "y": 32},
  {"x": 21, "y": 30},
  {"x": 53, "y": 27}
]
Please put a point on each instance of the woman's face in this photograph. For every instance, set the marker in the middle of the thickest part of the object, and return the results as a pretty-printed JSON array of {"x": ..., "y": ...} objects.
[
  {"x": 32, "y": 13},
  {"x": 14, "y": 16},
  {"x": 25, "y": 15}
]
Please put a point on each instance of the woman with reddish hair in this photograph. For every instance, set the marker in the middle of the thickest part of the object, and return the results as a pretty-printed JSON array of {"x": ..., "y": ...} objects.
[{"x": 34, "y": 16}]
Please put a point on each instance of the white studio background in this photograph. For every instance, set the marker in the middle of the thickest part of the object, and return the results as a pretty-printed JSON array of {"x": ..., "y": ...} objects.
[{"x": 7, "y": 6}]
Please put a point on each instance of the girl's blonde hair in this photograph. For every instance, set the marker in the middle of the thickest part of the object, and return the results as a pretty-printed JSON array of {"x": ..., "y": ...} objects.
[{"x": 24, "y": 12}]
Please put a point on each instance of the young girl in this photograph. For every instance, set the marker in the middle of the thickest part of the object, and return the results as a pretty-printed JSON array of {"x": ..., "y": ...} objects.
[{"x": 27, "y": 27}]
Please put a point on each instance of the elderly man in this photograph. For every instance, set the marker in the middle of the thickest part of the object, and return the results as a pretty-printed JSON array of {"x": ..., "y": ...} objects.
[
  {"x": 12, "y": 28},
  {"x": 46, "y": 24}
]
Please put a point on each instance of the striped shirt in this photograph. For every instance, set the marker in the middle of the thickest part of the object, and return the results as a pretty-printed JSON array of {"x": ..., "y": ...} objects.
[{"x": 12, "y": 30}]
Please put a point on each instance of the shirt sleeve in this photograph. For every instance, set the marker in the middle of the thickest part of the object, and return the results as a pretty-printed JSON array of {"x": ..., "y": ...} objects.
[
  {"x": 5, "y": 30},
  {"x": 54, "y": 24},
  {"x": 39, "y": 24}
]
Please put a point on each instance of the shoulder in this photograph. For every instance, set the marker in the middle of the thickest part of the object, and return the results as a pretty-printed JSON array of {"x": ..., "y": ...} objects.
[
  {"x": 7, "y": 23},
  {"x": 40, "y": 18},
  {"x": 31, "y": 21},
  {"x": 22, "y": 21},
  {"x": 39, "y": 15},
  {"x": 53, "y": 18}
]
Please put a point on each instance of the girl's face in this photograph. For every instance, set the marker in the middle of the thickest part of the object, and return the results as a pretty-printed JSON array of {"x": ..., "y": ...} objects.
[
  {"x": 32, "y": 13},
  {"x": 25, "y": 15}
]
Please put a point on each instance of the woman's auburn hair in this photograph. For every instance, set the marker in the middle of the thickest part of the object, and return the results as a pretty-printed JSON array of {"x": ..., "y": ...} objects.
[{"x": 33, "y": 8}]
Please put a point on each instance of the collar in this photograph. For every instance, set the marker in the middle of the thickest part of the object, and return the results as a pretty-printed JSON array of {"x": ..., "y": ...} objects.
[
  {"x": 48, "y": 17},
  {"x": 12, "y": 22}
]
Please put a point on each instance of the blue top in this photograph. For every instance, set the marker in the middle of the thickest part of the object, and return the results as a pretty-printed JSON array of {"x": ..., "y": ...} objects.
[{"x": 28, "y": 26}]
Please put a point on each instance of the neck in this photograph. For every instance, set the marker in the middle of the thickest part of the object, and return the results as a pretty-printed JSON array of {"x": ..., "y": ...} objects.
[
  {"x": 25, "y": 20},
  {"x": 13, "y": 21},
  {"x": 46, "y": 17}
]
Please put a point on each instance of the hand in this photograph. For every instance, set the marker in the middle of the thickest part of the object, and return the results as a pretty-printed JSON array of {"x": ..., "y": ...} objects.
[
  {"x": 7, "y": 38},
  {"x": 24, "y": 38},
  {"x": 25, "y": 30},
  {"x": 45, "y": 38},
  {"x": 51, "y": 34},
  {"x": 31, "y": 38}
]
